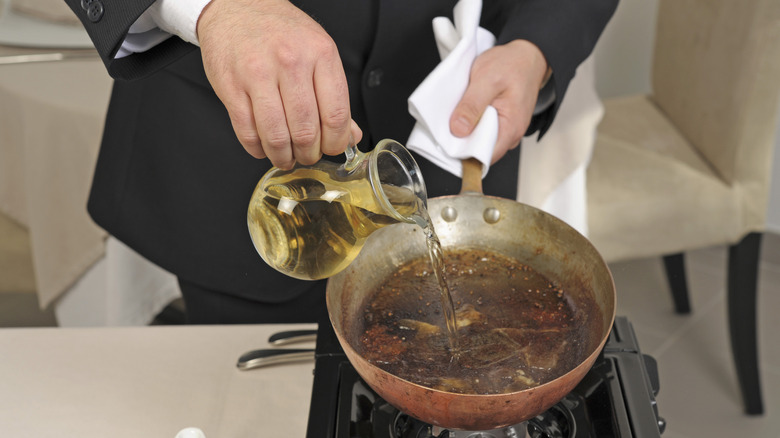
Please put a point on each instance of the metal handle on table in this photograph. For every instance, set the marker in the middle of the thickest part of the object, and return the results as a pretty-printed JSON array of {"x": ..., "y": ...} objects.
[
  {"x": 270, "y": 356},
  {"x": 292, "y": 337}
]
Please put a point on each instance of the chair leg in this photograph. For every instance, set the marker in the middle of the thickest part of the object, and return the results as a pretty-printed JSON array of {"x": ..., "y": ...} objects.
[
  {"x": 674, "y": 265},
  {"x": 742, "y": 301}
]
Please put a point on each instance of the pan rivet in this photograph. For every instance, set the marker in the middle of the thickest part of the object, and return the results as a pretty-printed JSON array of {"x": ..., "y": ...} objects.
[
  {"x": 491, "y": 215},
  {"x": 449, "y": 214}
]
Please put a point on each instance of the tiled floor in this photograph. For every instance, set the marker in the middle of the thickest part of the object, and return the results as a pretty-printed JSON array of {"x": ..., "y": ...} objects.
[{"x": 699, "y": 396}]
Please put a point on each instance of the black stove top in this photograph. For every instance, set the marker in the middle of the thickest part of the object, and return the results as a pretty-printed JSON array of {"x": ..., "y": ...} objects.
[{"x": 615, "y": 399}]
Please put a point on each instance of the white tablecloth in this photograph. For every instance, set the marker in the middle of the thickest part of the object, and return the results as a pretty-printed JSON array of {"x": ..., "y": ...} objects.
[
  {"x": 51, "y": 122},
  {"x": 148, "y": 382}
]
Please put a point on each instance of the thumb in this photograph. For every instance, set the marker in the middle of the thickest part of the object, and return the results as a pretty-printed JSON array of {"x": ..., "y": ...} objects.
[
  {"x": 466, "y": 116},
  {"x": 468, "y": 111}
]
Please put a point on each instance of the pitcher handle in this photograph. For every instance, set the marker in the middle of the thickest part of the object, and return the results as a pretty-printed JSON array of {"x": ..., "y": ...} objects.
[{"x": 353, "y": 155}]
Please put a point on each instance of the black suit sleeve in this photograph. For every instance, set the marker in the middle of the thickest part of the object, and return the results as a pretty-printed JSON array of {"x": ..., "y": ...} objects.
[
  {"x": 566, "y": 31},
  {"x": 107, "y": 23}
]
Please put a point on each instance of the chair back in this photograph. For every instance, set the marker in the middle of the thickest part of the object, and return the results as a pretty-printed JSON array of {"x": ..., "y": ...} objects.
[{"x": 716, "y": 75}]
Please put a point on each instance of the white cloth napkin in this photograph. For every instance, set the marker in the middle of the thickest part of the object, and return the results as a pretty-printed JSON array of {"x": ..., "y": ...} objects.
[{"x": 434, "y": 100}]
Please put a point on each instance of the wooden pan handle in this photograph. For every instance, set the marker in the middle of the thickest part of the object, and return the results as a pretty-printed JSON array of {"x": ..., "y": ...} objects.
[{"x": 472, "y": 176}]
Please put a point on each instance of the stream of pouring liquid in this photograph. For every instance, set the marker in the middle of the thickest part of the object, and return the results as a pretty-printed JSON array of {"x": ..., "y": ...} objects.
[{"x": 436, "y": 255}]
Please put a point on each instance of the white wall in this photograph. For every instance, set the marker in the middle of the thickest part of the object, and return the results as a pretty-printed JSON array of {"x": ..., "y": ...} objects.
[
  {"x": 773, "y": 215},
  {"x": 623, "y": 58},
  {"x": 625, "y": 51}
]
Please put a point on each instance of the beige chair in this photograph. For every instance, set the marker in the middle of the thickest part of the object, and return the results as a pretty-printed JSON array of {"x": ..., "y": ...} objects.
[{"x": 688, "y": 166}]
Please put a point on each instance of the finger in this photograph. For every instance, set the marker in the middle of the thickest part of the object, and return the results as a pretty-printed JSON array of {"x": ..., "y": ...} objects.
[
  {"x": 330, "y": 84},
  {"x": 357, "y": 133},
  {"x": 505, "y": 141},
  {"x": 272, "y": 128},
  {"x": 303, "y": 119},
  {"x": 467, "y": 113},
  {"x": 242, "y": 119},
  {"x": 512, "y": 125}
]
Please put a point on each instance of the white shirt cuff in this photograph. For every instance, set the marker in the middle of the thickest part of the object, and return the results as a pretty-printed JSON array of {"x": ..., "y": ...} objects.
[{"x": 163, "y": 19}]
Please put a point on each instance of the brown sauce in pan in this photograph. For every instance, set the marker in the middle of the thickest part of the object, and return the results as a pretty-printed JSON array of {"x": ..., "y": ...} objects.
[{"x": 516, "y": 328}]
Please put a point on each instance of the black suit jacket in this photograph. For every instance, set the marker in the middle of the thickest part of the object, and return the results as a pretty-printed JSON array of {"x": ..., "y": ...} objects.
[{"x": 173, "y": 182}]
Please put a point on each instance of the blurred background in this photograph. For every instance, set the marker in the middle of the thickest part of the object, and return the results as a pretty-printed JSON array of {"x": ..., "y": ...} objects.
[{"x": 40, "y": 87}]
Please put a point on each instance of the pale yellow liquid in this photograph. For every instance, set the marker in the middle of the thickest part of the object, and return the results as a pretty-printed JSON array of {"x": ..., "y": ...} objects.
[{"x": 309, "y": 226}]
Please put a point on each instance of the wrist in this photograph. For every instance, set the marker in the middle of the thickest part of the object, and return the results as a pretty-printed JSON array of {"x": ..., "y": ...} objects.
[
  {"x": 538, "y": 69},
  {"x": 204, "y": 18}
]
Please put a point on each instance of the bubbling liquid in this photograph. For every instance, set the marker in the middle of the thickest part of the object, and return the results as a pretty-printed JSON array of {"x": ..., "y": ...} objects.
[{"x": 516, "y": 329}]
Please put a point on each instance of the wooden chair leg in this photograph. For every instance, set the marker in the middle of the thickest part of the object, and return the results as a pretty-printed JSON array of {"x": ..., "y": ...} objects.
[
  {"x": 674, "y": 265},
  {"x": 742, "y": 301}
]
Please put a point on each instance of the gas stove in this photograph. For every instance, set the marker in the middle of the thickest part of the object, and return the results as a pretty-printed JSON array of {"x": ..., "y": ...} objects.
[{"x": 616, "y": 398}]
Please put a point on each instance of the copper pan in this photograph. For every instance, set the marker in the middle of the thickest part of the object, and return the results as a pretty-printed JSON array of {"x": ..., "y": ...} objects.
[{"x": 472, "y": 220}]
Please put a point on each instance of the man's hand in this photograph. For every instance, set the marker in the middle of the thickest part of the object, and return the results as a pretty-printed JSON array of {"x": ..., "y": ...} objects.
[
  {"x": 280, "y": 77},
  {"x": 508, "y": 77}
]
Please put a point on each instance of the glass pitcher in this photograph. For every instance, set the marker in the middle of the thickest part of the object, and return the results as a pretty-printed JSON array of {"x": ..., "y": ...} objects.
[{"x": 310, "y": 222}]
